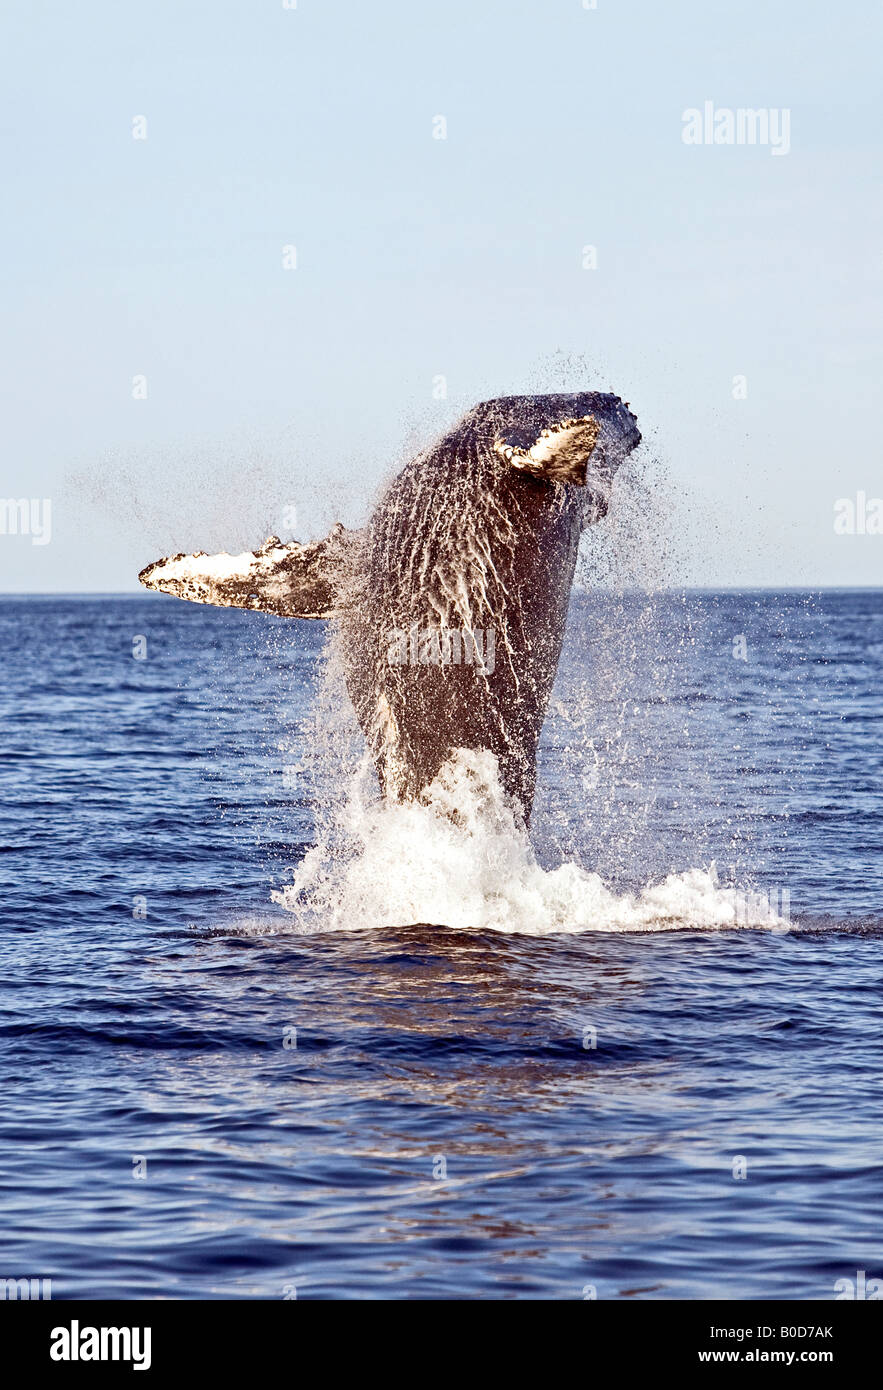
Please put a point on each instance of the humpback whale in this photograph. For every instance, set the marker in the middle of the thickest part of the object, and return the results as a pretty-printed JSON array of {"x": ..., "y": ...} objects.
[{"x": 451, "y": 602}]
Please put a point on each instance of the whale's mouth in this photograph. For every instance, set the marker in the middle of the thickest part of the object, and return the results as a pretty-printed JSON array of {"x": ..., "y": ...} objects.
[{"x": 560, "y": 453}]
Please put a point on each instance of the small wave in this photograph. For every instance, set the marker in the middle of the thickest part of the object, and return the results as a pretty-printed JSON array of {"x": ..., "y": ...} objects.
[{"x": 461, "y": 859}]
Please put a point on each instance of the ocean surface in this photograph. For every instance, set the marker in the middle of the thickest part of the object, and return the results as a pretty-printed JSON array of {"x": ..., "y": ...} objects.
[{"x": 261, "y": 1037}]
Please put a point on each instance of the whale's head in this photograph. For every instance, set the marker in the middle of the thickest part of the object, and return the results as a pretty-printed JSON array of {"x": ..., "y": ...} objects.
[{"x": 576, "y": 438}]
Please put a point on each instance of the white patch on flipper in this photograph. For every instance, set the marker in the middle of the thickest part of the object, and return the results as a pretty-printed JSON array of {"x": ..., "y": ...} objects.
[
  {"x": 202, "y": 577},
  {"x": 214, "y": 568},
  {"x": 559, "y": 453},
  {"x": 289, "y": 579}
]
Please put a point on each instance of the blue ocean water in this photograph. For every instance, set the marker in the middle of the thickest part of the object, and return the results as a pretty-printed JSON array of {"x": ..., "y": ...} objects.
[{"x": 206, "y": 1095}]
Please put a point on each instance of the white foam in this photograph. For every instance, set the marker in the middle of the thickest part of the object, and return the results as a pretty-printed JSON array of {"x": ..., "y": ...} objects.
[{"x": 461, "y": 860}]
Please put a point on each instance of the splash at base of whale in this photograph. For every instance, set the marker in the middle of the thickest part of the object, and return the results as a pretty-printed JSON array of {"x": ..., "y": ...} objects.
[{"x": 461, "y": 858}]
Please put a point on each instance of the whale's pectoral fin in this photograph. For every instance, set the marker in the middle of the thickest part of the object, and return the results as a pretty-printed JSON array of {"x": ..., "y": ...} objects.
[
  {"x": 558, "y": 454},
  {"x": 295, "y": 581}
]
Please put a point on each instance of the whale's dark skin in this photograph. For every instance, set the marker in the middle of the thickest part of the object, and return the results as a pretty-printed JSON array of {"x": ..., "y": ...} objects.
[
  {"x": 477, "y": 537},
  {"x": 465, "y": 540}
]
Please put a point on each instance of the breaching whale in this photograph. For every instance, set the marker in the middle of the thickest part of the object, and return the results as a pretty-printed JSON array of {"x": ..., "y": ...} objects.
[{"x": 451, "y": 602}]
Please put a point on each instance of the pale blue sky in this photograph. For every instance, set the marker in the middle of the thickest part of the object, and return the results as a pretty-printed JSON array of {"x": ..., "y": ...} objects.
[{"x": 419, "y": 257}]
